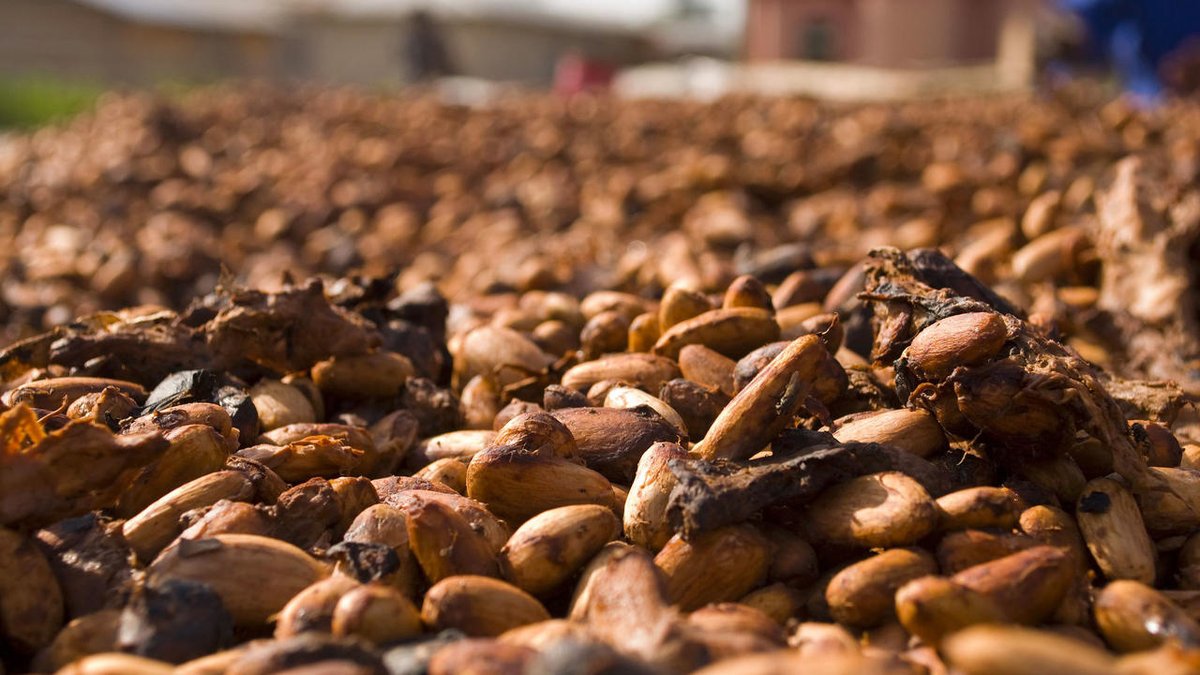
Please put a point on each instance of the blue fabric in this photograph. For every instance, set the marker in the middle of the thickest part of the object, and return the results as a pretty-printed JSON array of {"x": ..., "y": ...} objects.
[{"x": 1136, "y": 35}]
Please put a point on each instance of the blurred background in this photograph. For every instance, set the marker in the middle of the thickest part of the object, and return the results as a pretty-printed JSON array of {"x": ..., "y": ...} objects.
[{"x": 56, "y": 54}]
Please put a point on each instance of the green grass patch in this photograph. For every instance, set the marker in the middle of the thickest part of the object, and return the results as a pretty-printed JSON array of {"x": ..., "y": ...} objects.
[{"x": 29, "y": 102}]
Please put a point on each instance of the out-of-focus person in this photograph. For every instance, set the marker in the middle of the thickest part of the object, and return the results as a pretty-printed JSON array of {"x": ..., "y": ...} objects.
[
  {"x": 575, "y": 73},
  {"x": 427, "y": 56}
]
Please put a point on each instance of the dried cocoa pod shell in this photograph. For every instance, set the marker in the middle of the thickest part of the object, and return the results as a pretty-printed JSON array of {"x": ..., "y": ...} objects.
[
  {"x": 378, "y": 374},
  {"x": 1112, "y": 527},
  {"x": 643, "y": 332},
  {"x": 979, "y": 507},
  {"x": 1133, "y": 617},
  {"x": 706, "y": 367},
  {"x": 628, "y": 398},
  {"x": 959, "y": 340},
  {"x": 462, "y": 445},
  {"x": 499, "y": 352},
  {"x": 116, "y": 663},
  {"x": 516, "y": 485},
  {"x": 480, "y": 656},
  {"x": 766, "y": 406},
  {"x": 312, "y": 608},
  {"x": 645, "y": 514},
  {"x": 94, "y": 633},
  {"x": 1027, "y": 586},
  {"x": 862, "y": 595},
  {"x": 874, "y": 511},
  {"x": 158, "y": 524},
  {"x": 933, "y": 607},
  {"x": 717, "y": 566},
  {"x": 479, "y": 606},
  {"x": 914, "y": 431},
  {"x": 61, "y": 392},
  {"x": 779, "y": 601},
  {"x": 443, "y": 542},
  {"x": 551, "y": 547},
  {"x": 732, "y": 332},
  {"x": 645, "y": 371},
  {"x": 1011, "y": 650},
  {"x": 305, "y": 514},
  {"x": 377, "y": 613},
  {"x": 31, "y": 601},
  {"x": 269, "y": 572},
  {"x": 280, "y": 404},
  {"x": 966, "y": 548},
  {"x": 680, "y": 304}
]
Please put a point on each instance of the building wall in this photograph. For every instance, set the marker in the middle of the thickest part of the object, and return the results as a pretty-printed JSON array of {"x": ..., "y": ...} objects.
[
  {"x": 58, "y": 37},
  {"x": 527, "y": 52},
  {"x": 778, "y": 29},
  {"x": 65, "y": 39},
  {"x": 349, "y": 51},
  {"x": 889, "y": 33}
]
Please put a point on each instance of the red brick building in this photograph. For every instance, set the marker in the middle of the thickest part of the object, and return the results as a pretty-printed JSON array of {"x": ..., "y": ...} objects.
[{"x": 887, "y": 33}]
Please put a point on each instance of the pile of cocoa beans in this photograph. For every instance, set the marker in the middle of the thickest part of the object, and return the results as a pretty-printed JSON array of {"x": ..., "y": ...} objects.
[
  {"x": 884, "y": 469},
  {"x": 151, "y": 200}
]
